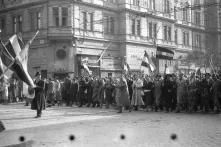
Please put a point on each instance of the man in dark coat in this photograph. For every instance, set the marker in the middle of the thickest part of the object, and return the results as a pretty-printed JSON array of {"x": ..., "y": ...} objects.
[
  {"x": 73, "y": 91},
  {"x": 167, "y": 92},
  {"x": 89, "y": 91},
  {"x": 38, "y": 103},
  {"x": 130, "y": 88},
  {"x": 205, "y": 92},
  {"x": 82, "y": 92},
  {"x": 67, "y": 85}
]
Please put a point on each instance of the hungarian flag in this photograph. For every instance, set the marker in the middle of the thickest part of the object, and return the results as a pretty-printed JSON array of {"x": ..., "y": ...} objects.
[
  {"x": 27, "y": 90},
  {"x": 84, "y": 64},
  {"x": 126, "y": 66},
  {"x": 14, "y": 58},
  {"x": 147, "y": 64}
]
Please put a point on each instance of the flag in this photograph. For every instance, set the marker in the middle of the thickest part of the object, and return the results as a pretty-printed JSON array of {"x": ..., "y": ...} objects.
[
  {"x": 126, "y": 66},
  {"x": 145, "y": 65},
  {"x": 84, "y": 63},
  {"x": 12, "y": 52},
  {"x": 27, "y": 90},
  {"x": 152, "y": 65},
  {"x": 87, "y": 69}
]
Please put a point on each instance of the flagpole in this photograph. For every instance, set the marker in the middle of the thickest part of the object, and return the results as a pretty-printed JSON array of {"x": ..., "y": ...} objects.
[
  {"x": 103, "y": 53},
  {"x": 34, "y": 37}
]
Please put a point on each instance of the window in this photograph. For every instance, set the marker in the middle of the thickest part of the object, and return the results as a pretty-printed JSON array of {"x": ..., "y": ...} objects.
[
  {"x": 19, "y": 24},
  {"x": 90, "y": 22},
  {"x": 112, "y": 21},
  {"x": 106, "y": 24},
  {"x": 87, "y": 21},
  {"x": 155, "y": 30},
  {"x": 175, "y": 36},
  {"x": 138, "y": 27},
  {"x": 133, "y": 26},
  {"x": 152, "y": 4},
  {"x": 185, "y": 15},
  {"x": 167, "y": 33},
  {"x": 38, "y": 20},
  {"x": 186, "y": 38},
  {"x": 197, "y": 17},
  {"x": 84, "y": 14},
  {"x": 64, "y": 16},
  {"x": 56, "y": 16},
  {"x": 166, "y": 6},
  {"x": 14, "y": 25},
  {"x": 150, "y": 30},
  {"x": 198, "y": 40},
  {"x": 196, "y": 2},
  {"x": 136, "y": 2}
]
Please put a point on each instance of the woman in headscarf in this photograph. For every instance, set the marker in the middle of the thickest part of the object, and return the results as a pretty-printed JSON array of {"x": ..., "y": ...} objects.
[
  {"x": 38, "y": 103},
  {"x": 137, "y": 100},
  {"x": 122, "y": 94}
]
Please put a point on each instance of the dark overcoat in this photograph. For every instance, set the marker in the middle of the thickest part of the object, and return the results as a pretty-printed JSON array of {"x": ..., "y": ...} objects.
[{"x": 38, "y": 103}]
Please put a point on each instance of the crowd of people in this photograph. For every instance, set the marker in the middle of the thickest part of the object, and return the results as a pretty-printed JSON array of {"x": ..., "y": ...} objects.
[{"x": 169, "y": 93}]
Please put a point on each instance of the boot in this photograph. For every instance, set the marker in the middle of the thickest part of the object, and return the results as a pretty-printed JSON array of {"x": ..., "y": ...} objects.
[{"x": 120, "y": 109}]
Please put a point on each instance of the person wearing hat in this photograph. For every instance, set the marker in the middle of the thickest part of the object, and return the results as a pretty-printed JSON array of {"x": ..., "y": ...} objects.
[{"x": 38, "y": 103}]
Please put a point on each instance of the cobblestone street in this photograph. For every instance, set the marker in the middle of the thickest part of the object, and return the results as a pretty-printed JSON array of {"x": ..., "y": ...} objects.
[{"x": 104, "y": 127}]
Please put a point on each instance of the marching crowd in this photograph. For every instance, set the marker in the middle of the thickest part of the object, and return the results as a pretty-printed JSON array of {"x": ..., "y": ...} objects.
[{"x": 169, "y": 93}]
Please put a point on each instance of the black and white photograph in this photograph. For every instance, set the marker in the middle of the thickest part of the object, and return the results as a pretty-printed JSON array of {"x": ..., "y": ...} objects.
[{"x": 110, "y": 73}]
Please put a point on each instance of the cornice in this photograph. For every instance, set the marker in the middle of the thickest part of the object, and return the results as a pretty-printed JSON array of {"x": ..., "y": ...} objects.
[
  {"x": 96, "y": 6},
  {"x": 27, "y": 5}
]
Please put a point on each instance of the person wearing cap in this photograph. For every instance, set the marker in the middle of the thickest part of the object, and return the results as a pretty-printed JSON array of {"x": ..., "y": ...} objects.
[{"x": 38, "y": 103}]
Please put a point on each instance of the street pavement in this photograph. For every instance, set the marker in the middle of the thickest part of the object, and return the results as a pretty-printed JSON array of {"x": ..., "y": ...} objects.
[{"x": 96, "y": 127}]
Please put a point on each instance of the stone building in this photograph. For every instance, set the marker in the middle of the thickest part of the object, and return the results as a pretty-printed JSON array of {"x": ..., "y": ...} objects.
[{"x": 115, "y": 30}]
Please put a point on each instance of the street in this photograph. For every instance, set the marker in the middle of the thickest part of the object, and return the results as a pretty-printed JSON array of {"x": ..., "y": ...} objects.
[{"x": 80, "y": 127}]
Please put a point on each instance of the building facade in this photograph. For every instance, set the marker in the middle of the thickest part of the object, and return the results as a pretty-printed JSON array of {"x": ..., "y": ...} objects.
[{"x": 113, "y": 30}]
